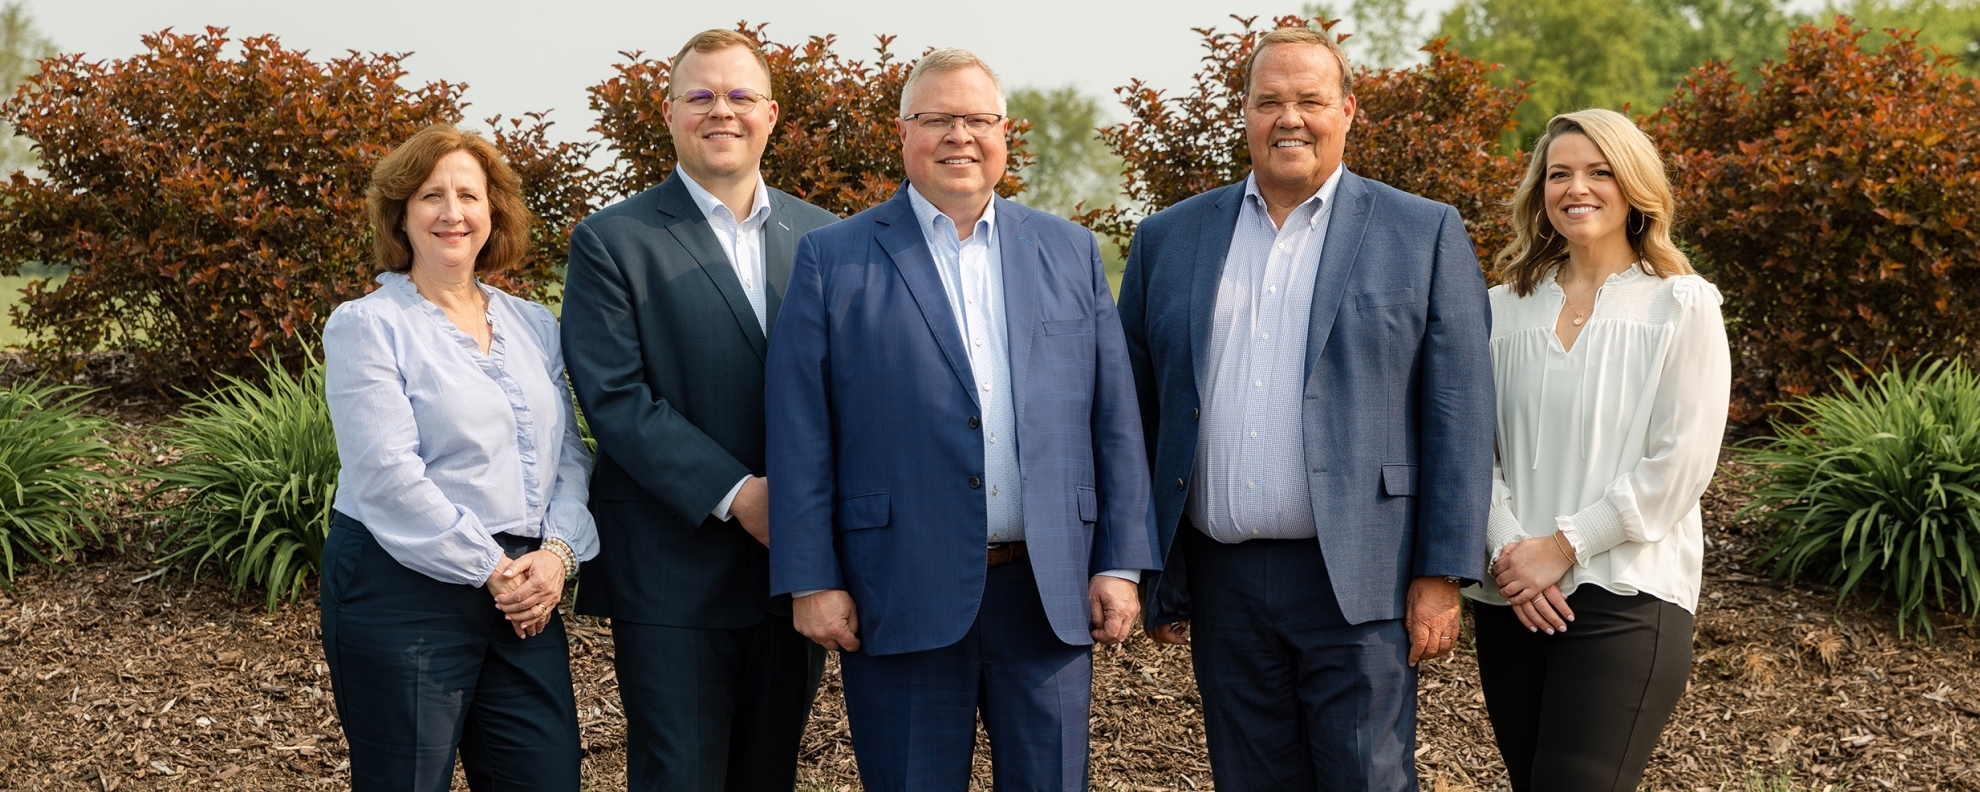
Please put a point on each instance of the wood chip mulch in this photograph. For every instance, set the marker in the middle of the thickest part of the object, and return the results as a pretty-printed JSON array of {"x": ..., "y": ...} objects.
[{"x": 119, "y": 675}]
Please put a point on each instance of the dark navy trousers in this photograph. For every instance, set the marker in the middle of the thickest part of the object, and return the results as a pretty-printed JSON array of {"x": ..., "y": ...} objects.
[
  {"x": 914, "y": 714},
  {"x": 1295, "y": 697},
  {"x": 422, "y": 669}
]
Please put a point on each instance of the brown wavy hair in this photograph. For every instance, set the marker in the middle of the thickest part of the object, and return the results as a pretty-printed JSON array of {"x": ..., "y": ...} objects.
[
  {"x": 1536, "y": 249},
  {"x": 401, "y": 172}
]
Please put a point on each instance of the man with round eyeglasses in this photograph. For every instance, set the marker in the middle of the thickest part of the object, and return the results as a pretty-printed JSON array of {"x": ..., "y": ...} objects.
[
  {"x": 956, "y": 464},
  {"x": 669, "y": 304}
]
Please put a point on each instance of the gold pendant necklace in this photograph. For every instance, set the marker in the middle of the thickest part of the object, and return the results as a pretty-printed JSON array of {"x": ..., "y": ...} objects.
[{"x": 1579, "y": 317}]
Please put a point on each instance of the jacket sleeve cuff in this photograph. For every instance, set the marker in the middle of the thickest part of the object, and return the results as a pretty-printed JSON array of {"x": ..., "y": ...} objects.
[
  {"x": 1593, "y": 530},
  {"x": 1501, "y": 529},
  {"x": 1129, "y": 575}
]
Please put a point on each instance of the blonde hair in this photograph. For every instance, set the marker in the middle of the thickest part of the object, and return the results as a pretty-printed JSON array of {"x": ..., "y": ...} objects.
[
  {"x": 1536, "y": 249},
  {"x": 948, "y": 60},
  {"x": 1302, "y": 34},
  {"x": 716, "y": 40}
]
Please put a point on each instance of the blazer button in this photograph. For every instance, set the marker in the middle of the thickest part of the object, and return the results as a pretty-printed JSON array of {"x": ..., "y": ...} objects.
[
  {"x": 1181, "y": 485},
  {"x": 973, "y": 423},
  {"x": 975, "y": 483},
  {"x": 1195, "y": 412}
]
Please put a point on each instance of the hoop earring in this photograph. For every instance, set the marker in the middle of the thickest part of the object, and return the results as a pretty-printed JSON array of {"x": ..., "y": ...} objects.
[
  {"x": 1642, "y": 226},
  {"x": 1547, "y": 237}
]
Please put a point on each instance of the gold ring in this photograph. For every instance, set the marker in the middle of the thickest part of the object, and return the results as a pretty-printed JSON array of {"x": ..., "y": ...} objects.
[{"x": 540, "y": 606}]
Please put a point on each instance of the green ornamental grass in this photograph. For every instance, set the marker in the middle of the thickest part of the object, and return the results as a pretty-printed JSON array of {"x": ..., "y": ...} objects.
[
  {"x": 1879, "y": 485},
  {"x": 254, "y": 486},
  {"x": 50, "y": 473}
]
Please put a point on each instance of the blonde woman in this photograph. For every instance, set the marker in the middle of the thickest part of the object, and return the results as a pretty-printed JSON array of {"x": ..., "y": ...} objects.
[{"x": 1613, "y": 377}]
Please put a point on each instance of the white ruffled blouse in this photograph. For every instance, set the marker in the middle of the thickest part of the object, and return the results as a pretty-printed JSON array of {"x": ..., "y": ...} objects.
[{"x": 1611, "y": 442}]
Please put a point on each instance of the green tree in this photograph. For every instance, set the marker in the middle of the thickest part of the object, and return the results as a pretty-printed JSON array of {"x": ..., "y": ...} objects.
[
  {"x": 20, "y": 47},
  {"x": 1953, "y": 26},
  {"x": 1571, "y": 54},
  {"x": 1386, "y": 34},
  {"x": 1685, "y": 34},
  {"x": 1074, "y": 166}
]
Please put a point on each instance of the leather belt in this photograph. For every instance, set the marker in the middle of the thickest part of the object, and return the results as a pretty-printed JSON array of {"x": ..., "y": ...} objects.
[{"x": 1006, "y": 552}]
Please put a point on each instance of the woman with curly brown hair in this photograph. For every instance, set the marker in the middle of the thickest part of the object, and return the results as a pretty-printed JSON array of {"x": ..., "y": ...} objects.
[
  {"x": 460, "y": 508},
  {"x": 1613, "y": 376}
]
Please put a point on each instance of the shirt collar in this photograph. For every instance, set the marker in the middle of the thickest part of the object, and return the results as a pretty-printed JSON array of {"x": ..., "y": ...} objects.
[
  {"x": 1324, "y": 195},
  {"x": 934, "y": 224},
  {"x": 758, "y": 210}
]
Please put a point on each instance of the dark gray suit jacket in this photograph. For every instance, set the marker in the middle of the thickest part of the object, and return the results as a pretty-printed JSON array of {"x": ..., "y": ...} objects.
[{"x": 666, "y": 357}]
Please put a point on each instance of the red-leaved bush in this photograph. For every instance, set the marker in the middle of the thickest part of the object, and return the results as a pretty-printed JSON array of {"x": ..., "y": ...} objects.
[
  {"x": 211, "y": 205},
  {"x": 835, "y": 145},
  {"x": 1833, "y": 200},
  {"x": 1431, "y": 129}
]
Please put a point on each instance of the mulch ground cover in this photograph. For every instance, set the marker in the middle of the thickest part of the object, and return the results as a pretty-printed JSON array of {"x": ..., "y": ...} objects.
[{"x": 117, "y": 674}]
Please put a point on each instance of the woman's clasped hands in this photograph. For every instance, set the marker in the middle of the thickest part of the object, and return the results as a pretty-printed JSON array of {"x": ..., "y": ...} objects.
[
  {"x": 1528, "y": 573},
  {"x": 528, "y": 589}
]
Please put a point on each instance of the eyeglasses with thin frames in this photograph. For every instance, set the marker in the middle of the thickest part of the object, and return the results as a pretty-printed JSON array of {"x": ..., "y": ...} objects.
[
  {"x": 974, "y": 123},
  {"x": 701, "y": 101}
]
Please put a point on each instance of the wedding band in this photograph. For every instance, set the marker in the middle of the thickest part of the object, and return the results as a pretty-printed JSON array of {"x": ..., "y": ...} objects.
[
  {"x": 1446, "y": 637},
  {"x": 539, "y": 610}
]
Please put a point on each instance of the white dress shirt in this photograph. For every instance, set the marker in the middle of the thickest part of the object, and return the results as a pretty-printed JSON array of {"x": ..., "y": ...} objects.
[
  {"x": 1613, "y": 441},
  {"x": 742, "y": 242},
  {"x": 1251, "y": 452},
  {"x": 442, "y": 446}
]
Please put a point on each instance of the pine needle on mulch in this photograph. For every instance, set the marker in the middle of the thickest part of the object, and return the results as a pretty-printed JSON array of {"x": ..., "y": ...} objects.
[{"x": 116, "y": 675}]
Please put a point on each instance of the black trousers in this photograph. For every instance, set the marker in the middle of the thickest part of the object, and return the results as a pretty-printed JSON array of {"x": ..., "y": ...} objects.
[
  {"x": 1295, "y": 697},
  {"x": 714, "y": 710},
  {"x": 422, "y": 669},
  {"x": 1580, "y": 711}
]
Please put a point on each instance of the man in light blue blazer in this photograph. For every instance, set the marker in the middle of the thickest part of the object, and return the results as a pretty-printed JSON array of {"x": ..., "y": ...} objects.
[
  {"x": 958, "y": 485},
  {"x": 1310, "y": 349}
]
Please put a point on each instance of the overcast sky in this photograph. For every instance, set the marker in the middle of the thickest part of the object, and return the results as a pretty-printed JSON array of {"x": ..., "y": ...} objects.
[{"x": 523, "y": 56}]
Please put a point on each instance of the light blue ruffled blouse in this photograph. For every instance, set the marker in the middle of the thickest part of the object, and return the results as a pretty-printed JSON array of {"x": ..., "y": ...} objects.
[{"x": 442, "y": 446}]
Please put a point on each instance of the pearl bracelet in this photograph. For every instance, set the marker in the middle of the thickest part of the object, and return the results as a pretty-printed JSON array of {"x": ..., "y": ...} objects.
[{"x": 563, "y": 551}]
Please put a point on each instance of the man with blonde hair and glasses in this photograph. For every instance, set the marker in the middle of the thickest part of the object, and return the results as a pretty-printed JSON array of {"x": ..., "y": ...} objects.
[
  {"x": 956, "y": 468},
  {"x": 668, "y": 308},
  {"x": 1310, "y": 348}
]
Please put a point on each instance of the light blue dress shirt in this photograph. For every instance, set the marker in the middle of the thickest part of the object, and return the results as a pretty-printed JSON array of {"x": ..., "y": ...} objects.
[
  {"x": 443, "y": 446},
  {"x": 1250, "y": 480}
]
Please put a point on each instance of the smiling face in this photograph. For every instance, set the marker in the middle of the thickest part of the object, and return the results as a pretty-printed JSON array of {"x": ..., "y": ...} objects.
[
  {"x": 1584, "y": 201},
  {"x": 953, "y": 168},
  {"x": 720, "y": 144},
  {"x": 447, "y": 218},
  {"x": 1296, "y": 120}
]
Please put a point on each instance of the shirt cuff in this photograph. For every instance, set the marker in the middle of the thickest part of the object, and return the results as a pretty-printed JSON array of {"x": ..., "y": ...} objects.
[
  {"x": 1129, "y": 575},
  {"x": 721, "y": 510},
  {"x": 1593, "y": 530},
  {"x": 572, "y": 521},
  {"x": 1501, "y": 529},
  {"x": 806, "y": 593}
]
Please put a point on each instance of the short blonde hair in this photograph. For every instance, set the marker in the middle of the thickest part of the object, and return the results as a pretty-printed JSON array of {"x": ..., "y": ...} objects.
[
  {"x": 396, "y": 177},
  {"x": 1301, "y": 34},
  {"x": 715, "y": 40},
  {"x": 948, "y": 60},
  {"x": 1639, "y": 170}
]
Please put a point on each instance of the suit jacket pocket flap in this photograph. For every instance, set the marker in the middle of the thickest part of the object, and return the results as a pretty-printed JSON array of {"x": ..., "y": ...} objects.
[
  {"x": 858, "y": 512},
  {"x": 1089, "y": 504},
  {"x": 1380, "y": 298},
  {"x": 1399, "y": 479},
  {"x": 1083, "y": 324}
]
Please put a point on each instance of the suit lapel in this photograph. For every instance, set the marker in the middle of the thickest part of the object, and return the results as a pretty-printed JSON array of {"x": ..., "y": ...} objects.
[
  {"x": 1023, "y": 267},
  {"x": 779, "y": 248},
  {"x": 901, "y": 238},
  {"x": 1212, "y": 247},
  {"x": 690, "y": 228},
  {"x": 1337, "y": 260}
]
